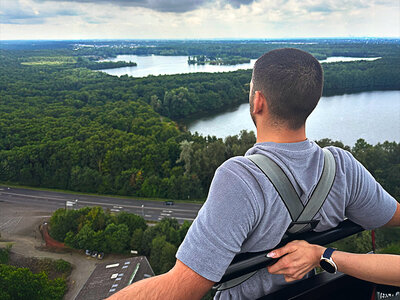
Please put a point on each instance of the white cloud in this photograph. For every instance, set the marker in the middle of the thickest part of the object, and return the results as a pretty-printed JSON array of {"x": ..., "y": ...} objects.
[{"x": 83, "y": 19}]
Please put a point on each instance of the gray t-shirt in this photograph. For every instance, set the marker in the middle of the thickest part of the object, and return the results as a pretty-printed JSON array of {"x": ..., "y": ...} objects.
[{"x": 244, "y": 213}]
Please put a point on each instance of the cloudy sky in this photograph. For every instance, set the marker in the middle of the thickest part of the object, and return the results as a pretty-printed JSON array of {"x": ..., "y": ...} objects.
[{"x": 180, "y": 19}]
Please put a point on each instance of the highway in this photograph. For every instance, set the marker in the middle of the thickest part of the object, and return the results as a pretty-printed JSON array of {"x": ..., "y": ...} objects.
[{"x": 50, "y": 201}]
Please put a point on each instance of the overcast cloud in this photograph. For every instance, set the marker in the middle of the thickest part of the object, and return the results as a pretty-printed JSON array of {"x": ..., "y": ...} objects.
[{"x": 84, "y": 19}]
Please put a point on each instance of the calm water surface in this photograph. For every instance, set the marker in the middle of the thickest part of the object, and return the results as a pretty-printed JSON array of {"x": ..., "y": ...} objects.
[
  {"x": 168, "y": 65},
  {"x": 373, "y": 116}
]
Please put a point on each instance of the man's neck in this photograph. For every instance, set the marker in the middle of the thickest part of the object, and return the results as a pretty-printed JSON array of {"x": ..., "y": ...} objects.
[{"x": 280, "y": 135}]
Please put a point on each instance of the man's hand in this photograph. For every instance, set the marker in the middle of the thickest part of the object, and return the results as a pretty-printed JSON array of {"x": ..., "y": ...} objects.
[{"x": 299, "y": 257}]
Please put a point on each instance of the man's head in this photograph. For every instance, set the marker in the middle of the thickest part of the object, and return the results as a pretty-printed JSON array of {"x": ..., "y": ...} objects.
[{"x": 291, "y": 81}]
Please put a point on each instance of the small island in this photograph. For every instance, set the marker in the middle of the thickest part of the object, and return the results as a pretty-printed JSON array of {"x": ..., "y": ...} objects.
[{"x": 221, "y": 60}]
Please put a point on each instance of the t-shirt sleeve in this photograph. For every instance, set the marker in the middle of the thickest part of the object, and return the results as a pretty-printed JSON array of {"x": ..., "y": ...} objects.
[
  {"x": 369, "y": 204},
  {"x": 221, "y": 226}
]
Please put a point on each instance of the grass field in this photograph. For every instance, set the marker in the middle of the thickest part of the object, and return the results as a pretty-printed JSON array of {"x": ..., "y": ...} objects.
[{"x": 49, "y": 60}]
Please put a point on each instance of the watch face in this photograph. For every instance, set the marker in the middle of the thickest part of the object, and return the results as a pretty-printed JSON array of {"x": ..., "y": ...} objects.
[{"x": 327, "y": 265}]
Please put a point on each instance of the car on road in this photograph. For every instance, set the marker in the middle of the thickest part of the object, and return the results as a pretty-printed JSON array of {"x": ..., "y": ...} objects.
[{"x": 169, "y": 202}]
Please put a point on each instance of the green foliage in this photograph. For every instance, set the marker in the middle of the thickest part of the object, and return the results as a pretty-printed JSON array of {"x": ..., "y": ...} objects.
[
  {"x": 94, "y": 229},
  {"x": 117, "y": 238},
  {"x": 136, "y": 240},
  {"x": 393, "y": 248},
  {"x": 4, "y": 254},
  {"x": 162, "y": 256},
  {"x": 381, "y": 160},
  {"x": 134, "y": 222},
  {"x": 357, "y": 243},
  {"x": 85, "y": 62},
  {"x": 62, "y": 266},
  {"x": 20, "y": 283},
  {"x": 385, "y": 236},
  {"x": 63, "y": 221},
  {"x": 386, "y": 241}
]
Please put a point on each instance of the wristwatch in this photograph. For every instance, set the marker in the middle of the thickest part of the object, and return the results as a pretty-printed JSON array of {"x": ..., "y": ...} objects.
[{"x": 327, "y": 262}]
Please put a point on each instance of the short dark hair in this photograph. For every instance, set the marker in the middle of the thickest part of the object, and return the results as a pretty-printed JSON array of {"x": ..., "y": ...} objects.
[{"x": 291, "y": 81}]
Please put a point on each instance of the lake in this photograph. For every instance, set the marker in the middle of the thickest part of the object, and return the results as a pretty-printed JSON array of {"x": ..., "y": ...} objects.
[
  {"x": 168, "y": 65},
  {"x": 373, "y": 116}
]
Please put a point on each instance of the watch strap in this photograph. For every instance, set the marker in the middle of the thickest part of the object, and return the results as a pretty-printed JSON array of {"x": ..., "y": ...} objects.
[{"x": 328, "y": 253}]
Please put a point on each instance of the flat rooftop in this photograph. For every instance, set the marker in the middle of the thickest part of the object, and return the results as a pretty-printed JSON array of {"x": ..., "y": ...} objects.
[{"x": 109, "y": 278}]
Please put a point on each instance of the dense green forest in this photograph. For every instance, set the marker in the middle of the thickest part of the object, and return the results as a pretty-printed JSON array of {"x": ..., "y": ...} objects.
[{"x": 67, "y": 127}]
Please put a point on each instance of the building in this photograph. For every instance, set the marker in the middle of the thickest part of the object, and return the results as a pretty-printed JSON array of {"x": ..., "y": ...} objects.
[{"x": 109, "y": 278}]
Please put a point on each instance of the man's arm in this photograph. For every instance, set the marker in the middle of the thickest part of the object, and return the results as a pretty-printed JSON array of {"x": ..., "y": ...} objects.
[
  {"x": 395, "y": 220},
  {"x": 180, "y": 282}
]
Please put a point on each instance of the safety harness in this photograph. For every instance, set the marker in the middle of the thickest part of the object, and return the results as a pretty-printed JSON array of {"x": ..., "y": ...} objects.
[{"x": 301, "y": 215}]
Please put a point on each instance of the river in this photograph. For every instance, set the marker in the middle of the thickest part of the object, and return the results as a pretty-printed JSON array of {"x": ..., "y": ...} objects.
[{"x": 373, "y": 116}]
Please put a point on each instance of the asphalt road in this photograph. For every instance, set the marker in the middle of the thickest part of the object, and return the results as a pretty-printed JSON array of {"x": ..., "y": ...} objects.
[{"x": 50, "y": 201}]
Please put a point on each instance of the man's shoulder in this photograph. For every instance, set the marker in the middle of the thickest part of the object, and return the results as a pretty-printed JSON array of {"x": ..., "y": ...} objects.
[
  {"x": 235, "y": 163},
  {"x": 239, "y": 171},
  {"x": 343, "y": 157}
]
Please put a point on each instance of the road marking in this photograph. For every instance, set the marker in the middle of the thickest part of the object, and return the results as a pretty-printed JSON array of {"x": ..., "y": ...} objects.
[
  {"x": 5, "y": 224},
  {"x": 11, "y": 223},
  {"x": 20, "y": 218}
]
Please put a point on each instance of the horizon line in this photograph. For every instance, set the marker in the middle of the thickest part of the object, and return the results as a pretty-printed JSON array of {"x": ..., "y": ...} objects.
[{"x": 201, "y": 39}]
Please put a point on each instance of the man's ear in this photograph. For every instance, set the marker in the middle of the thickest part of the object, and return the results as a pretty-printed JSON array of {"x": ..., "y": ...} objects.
[{"x": 260, "y": 103}]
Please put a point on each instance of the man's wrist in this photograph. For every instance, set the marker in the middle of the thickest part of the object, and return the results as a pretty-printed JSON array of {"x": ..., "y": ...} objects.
[{"x": 318, "y": 251}]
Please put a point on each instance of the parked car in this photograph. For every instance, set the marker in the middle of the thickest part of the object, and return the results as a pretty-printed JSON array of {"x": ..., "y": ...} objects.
[
  {"x": 169, "y": 202},
  {"x": 88, "y": 252},
  {"x": 94, "y": 254},
  {"x": 100, "y": 255}
]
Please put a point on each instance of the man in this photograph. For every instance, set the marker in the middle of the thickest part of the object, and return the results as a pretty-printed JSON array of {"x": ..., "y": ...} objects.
[{"x": 243, "y": 211}]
